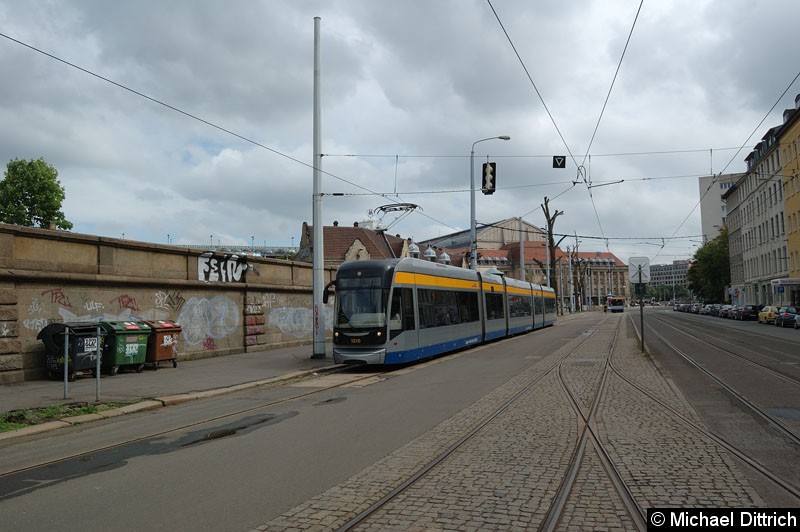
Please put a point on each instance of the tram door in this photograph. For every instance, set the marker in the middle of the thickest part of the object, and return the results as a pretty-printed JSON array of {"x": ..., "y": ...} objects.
[{"x": 402, "y": 320}]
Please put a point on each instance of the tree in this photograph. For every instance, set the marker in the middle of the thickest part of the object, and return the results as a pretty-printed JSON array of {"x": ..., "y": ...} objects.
[
  {"x": 30, "y": 195},
  {"x": 710, "y": 272},
  {"x": 552, "y": 245}
]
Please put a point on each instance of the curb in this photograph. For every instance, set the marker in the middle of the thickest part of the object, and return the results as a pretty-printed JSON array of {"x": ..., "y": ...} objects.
[{"x": 158, "y": 402}]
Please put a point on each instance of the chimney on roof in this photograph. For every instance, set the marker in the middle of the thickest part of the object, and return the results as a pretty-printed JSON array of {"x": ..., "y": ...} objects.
[
  {"x": 355, "y": 224},
  {"x": 336, "y": 223}
]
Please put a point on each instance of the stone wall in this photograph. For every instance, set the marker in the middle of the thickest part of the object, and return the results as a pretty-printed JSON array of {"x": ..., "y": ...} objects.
[{"x": 224, "y": 303}]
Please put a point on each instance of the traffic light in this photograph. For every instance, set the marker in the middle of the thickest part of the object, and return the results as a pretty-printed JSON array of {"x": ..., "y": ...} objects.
[{"x": 489, "y": 178}]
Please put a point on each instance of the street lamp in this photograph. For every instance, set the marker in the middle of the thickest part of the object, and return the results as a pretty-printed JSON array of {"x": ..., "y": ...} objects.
[{"x": 473, "y": 243}]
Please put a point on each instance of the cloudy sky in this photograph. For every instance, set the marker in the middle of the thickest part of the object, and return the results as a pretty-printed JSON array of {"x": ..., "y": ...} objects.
[{"x": 407, "y": 88}]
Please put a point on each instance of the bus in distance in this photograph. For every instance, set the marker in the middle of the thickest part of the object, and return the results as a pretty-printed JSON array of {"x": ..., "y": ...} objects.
[{"x": 615, "y": 303}]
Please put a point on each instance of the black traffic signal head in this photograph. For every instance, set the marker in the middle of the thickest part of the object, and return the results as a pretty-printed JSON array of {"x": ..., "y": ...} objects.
[{"x": 489, "y": 178}]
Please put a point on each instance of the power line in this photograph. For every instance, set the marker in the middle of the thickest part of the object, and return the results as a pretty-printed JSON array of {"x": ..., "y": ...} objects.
[
  {"x": 201, "y": 120},
  {"x": 619, "y": 65},
  {"x": 533, "y": 84},
  {"x": 660, "y": 239},
  {"x": 595, "y": 184},
  {"x": 528, "y": 156},
  {"x": 714, "y": 181},
  {"x": 616, "y": 73}
]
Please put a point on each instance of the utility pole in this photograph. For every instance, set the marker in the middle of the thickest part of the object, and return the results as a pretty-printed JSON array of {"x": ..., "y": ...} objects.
[{"x": 318, "y": 314}]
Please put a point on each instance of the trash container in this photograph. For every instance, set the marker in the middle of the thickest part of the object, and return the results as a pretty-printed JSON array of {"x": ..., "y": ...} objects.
[
  {"x": 125, "y": 345},
  {"x": 81, "y": 345},
  {"x": 162, "y": 344}
]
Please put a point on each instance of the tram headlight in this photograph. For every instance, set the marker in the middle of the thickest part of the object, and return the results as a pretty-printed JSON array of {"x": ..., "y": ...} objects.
[
  {"x": 380, "y": 334},
  {"x": 336, "y": 334}
]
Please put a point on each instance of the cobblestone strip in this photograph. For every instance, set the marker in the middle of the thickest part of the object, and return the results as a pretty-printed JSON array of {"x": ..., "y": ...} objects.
[
  {"x": 582, "y": 371},
  {"x": 503, "y": 479},
  {"x": 664, "y": 462},
  {"x": 594, "y": 503},
  {"x": 342, "y": 503},
  {"x": 643, "y": 369}
]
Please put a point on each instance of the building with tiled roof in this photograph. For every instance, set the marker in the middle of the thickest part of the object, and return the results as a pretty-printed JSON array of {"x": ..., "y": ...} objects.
[
  {"x": 490, "y": 236},
  {"x": 344, "y": 243},
  {"x": 595, "y": 274}
]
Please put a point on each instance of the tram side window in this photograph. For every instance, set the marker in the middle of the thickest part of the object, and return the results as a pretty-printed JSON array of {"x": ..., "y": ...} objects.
[
  {"x": 427, "y": 312},
  {"x": 494, "y": 306},
  {"x": 468, "y": 306},
  {"x": 538, "y": 304},
  {"x": 519, "y": 306},
  {"x": 438, "y": 308},
  {"x": 550, "y": 305},
  {"x": 408, "y": 309}
]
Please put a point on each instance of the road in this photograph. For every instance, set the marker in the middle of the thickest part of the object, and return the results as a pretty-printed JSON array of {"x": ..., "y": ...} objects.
[
  {"x": 489, "y": 432},
  {"x": 171, "y": 478},
  {"x": 762, "y": 362}
]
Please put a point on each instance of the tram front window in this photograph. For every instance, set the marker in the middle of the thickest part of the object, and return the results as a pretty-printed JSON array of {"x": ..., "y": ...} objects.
[{"x": 361, "y": 303}]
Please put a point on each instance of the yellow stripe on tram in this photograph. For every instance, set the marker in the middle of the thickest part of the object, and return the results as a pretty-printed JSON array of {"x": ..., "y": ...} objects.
[
  {"x": 408, "y": 278},
  {"x": 516, "y": 290}
]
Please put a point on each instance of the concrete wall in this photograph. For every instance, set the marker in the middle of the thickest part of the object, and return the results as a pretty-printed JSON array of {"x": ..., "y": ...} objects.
[{"x": 225, "y": 304}]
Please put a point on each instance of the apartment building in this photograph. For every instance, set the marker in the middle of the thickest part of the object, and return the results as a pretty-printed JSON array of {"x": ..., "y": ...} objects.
[
  {"x": 789, "y": 146},
  {"x": 757, "y": 224}
]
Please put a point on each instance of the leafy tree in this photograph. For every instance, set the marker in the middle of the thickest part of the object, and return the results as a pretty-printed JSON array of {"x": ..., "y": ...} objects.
[
  {"x": 710, "y": 272},
  {"x": 30, "y": 195}
]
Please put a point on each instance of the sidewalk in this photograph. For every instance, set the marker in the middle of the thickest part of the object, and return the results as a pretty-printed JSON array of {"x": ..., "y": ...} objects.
[{"x": 190, "y": 380}]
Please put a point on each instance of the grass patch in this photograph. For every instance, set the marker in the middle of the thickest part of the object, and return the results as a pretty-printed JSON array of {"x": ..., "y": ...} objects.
[{"x": 17, "y": 419}]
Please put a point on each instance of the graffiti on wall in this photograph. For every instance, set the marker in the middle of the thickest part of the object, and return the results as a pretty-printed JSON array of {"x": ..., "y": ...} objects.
[
  {"x": 58, "y": 297},
  {"x": 226, "y": 269},
  {"x": 208, "y": 318},
  {"x": 125, "y": 302},
  {"x": 298, "y": 321},
  {"x": 172, "y": 301},
  {"x": 204, "y": 321}
]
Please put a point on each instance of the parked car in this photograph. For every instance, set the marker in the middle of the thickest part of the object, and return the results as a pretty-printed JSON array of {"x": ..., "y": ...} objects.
[
  {"x": 749, "y": 312},
  {"x": 736, "y": 312},
  {"x": 715, "y": 309},
  {"x": 705, "y": 309},
  {"x": 785, "y": 316},
  {"x": 724, "y": 310},
  {"x": 797, "y": 321},
  {"x": 767, "y": 314}
]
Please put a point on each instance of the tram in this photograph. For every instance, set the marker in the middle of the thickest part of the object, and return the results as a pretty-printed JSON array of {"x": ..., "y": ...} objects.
[{"x": 397, "y": 311}]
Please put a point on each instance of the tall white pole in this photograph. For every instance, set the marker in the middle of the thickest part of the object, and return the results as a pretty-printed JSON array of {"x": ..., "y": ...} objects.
[
  {"x": 319, "y": 245},
  {"x": 473, "y": 243},
  {"x": 521, "y": 252}
]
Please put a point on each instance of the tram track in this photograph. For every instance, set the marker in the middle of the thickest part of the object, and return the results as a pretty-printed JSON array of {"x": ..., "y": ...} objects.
[
  {"x": 730, "y": 390},
  {"x": 565, "y": 436},
  {"x": 788, "y": 486},
  {"x": 756, "y": 349},
  {"x": 364, "y": 516},
  {"x": 589, "y": 439}
]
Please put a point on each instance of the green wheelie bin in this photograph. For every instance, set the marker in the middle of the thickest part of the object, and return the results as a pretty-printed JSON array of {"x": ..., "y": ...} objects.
[{"x": 125, "y": 346}]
